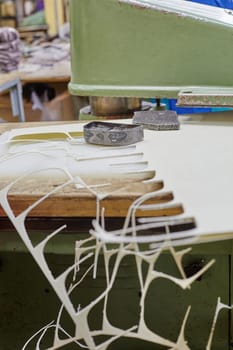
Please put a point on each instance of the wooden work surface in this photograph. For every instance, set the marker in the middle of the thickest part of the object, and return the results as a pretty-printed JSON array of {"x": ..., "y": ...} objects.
[
  {"x": 193, "y": 165},
  {"x": 57, "y": 73},
  {"x": 72, "y": 203}
]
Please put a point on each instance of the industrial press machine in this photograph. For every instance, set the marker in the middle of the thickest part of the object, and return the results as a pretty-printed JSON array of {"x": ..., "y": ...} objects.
[{"x": 171, "y": 49}]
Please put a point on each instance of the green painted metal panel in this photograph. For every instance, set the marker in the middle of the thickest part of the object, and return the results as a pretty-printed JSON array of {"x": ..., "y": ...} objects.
[{"x": 120, "y": 49}]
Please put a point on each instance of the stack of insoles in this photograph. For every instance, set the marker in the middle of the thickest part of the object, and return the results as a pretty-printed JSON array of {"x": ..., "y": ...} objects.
[{"x": 10, "y": 52}]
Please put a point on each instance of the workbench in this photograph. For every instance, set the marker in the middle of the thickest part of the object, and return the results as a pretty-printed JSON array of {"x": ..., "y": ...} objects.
[
  {"x": 24, "y": 292},
  {"x": 56, "y": 76},
  {"x": 57, "y": 73}
]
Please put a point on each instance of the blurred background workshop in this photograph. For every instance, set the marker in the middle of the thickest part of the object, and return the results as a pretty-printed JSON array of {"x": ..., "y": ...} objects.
[{"x": 35, "y": 52}]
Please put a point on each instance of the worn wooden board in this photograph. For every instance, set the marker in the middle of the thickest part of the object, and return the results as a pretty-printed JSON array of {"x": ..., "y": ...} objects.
[
  {"x": 73, "y": 202},
  {"x": 83, "y": 204}
]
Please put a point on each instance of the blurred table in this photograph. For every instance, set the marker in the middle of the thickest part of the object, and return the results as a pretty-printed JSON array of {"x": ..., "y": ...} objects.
[{"x": 56, "y": 73}]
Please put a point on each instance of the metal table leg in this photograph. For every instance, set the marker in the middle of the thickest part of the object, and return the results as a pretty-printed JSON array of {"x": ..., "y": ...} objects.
[{"x": 15, "y": 88}]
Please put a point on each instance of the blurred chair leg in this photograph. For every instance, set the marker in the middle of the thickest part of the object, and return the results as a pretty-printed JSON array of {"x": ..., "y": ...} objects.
[{"x": 17, "y": 101}]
